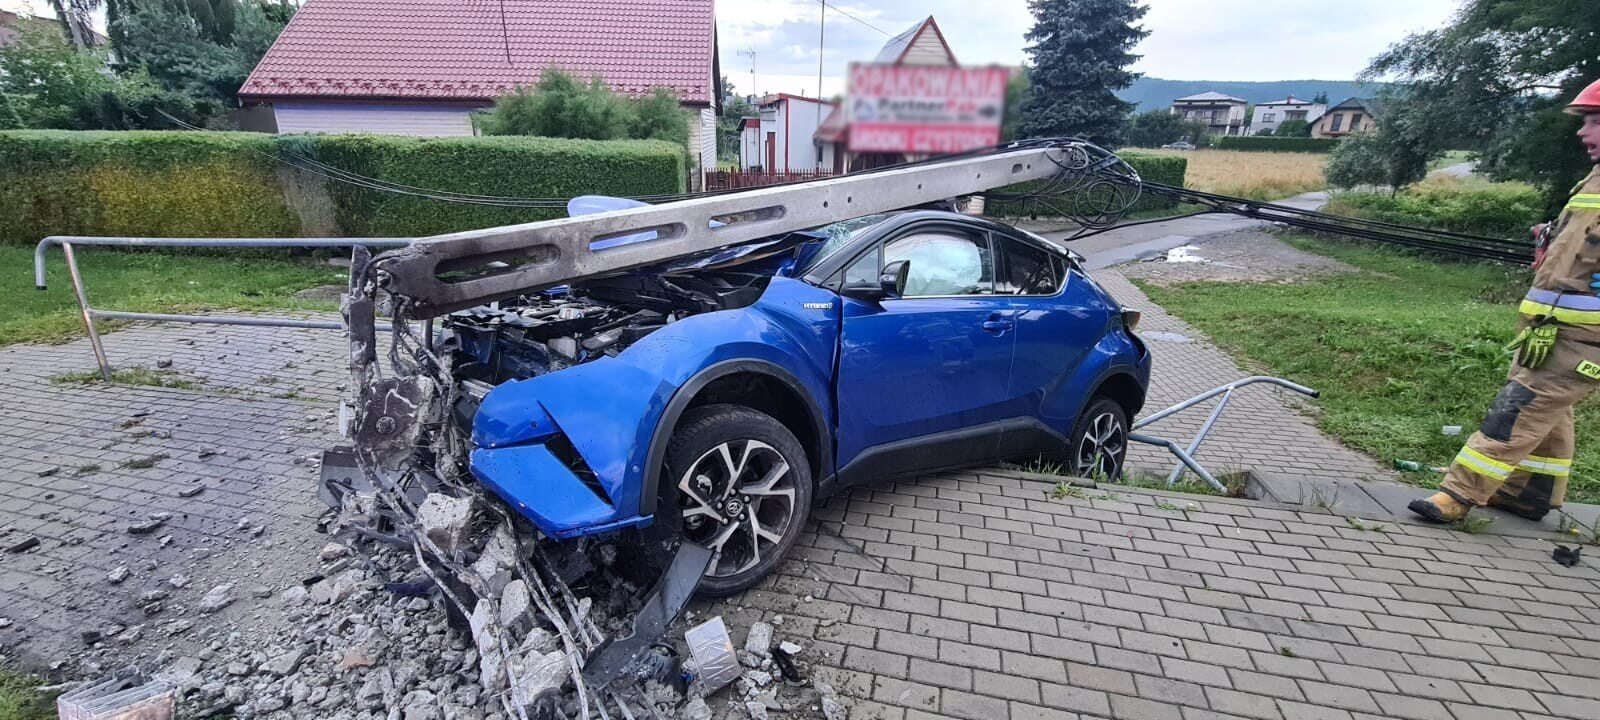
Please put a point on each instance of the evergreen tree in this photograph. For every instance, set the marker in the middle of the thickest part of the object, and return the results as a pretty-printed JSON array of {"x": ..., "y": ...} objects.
[{"x": 1081, "y": 50}]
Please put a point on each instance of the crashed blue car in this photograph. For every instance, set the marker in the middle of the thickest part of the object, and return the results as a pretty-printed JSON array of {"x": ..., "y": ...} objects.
[{"x": 734, "y": 390}]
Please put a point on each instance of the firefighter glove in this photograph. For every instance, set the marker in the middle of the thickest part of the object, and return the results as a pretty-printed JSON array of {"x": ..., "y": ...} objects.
[{"x": 1534, "y": 344}]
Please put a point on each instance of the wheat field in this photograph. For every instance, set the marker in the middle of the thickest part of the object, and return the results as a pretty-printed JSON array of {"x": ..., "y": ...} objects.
[{"x": 1253, "y": 175}]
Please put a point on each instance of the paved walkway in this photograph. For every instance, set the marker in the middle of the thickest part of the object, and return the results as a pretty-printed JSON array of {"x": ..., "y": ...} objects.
[
  {"x": 79, "y": 464},
  {"x": 974, "y": 595}
]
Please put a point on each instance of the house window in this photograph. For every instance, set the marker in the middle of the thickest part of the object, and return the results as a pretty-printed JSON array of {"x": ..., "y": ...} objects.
[
  {"x": 1269, "y": 117},
  {"x": 1188, "y": 115},
  {"x": 1355, "y": 122},
  {"x": 1338, "y": 123}
]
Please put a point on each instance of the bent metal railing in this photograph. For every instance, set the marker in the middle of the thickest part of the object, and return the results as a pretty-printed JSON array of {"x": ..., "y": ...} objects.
[
  {"x": 1185, "y": 456},
  {"x": 90, "y": 313}
]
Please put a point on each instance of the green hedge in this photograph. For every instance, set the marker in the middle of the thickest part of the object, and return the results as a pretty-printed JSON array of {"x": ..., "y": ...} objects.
[
  {"x": 503, "y": 166},
  {"x": 1274, "y": 144},
  {"x": 1503, "y": 210},
  {"x": 217, "y": 184},
  {"x": 1164, "y": 169}
]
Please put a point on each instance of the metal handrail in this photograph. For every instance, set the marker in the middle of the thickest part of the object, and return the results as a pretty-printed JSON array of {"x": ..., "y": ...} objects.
[
  {"x": 1185, "y": 456},
  {"x": 89, "y": 313}
]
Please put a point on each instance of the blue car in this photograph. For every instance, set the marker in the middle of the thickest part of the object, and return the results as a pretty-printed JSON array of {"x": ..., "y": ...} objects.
[{"x": 731, "y": 391}]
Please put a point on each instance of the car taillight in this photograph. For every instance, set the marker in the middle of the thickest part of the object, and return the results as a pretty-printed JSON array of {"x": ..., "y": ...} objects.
[{"x": 1130, "y": 319}]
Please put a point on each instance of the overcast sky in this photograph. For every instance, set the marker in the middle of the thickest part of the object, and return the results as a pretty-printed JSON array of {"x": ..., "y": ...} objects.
[{"x": 1189, "y": 39}]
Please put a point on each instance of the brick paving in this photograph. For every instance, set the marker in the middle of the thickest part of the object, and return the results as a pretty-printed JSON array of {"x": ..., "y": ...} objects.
[
  {"x": 261, "y": 409},
  {"x": 975, "y": 595},
  {"x": 960, "y": 595}
]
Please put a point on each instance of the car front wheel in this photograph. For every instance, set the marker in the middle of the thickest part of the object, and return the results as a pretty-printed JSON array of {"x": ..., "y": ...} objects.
[
  {"x": 744, "y": 490},
  {"x": 1098, "y": 444}
]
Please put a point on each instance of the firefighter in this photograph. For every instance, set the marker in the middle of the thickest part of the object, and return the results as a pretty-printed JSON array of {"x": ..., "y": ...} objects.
[{"x": 1521, "y": 457}]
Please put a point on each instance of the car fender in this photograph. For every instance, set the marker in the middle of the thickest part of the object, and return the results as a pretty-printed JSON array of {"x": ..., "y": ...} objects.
[
  {"x": 618, "y": 412},
  {"x": 1115, "y": 354}
]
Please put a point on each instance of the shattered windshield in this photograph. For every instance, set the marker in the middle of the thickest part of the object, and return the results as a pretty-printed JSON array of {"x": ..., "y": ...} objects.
[{"x": 841, "y": 233}]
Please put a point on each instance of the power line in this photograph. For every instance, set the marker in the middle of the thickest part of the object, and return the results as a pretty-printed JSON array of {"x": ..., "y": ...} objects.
[{"x": 836, "y": 9}]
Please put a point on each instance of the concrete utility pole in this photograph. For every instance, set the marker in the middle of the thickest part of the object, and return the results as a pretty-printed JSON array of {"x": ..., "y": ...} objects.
[{"x": 822, "y": 34}]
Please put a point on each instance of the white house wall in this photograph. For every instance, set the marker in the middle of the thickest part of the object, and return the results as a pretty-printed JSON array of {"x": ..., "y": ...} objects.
[
  {"x": 927, "y": 50},
  {"x": 419, "y": 119},
  {"x": 708, "y": 140}
]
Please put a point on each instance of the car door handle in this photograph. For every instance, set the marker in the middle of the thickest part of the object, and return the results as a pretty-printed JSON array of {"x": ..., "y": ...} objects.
[{"x": 998, "y": 325}]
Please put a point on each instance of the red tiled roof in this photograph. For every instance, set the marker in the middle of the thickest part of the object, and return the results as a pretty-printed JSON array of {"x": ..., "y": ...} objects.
[{"x": 456, "y": 49}]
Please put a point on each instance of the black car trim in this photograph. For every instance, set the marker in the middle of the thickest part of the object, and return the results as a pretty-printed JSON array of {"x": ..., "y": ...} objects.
[
  {"x": 946, "y": 450},
  {"x": 686, "y": 393}
]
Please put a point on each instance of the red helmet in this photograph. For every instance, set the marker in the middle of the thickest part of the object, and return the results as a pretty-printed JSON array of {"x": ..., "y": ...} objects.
[{"x": 1587, "y": 101}]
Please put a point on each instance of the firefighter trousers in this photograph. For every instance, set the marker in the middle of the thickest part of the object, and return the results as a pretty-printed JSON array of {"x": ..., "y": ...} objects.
[{"x": 1523, "y": 451}]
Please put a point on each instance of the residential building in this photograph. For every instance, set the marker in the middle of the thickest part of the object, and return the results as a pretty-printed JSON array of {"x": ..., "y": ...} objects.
[
  {"x": 12, "y": 23},
  {"x": 1268, "y": 116},
  {"x": 1351, "y": 116},
  {"x": 922, "y": 44},
  {"x": 1222, "y": 114},
  {"x": 784, "y": 136},
  {"x": 423, "y": 67}
]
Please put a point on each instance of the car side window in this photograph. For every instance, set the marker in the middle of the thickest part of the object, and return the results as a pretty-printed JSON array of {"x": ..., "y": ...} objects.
[
  {"x": 944, "y": 262},
  {"x": 1028, "y": 270},
  {"x": 864, "y": 271}
]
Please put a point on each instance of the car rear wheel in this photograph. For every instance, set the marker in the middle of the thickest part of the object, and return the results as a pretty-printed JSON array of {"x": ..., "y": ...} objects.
[
  {"x": 743, "y": 489},
  {"x": 1098, "y": 444}
]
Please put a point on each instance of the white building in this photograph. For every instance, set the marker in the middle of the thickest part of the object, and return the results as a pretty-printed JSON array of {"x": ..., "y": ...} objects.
[
  {"x": 784, "y": 137},
  {"x": 1268, "y": 116}
]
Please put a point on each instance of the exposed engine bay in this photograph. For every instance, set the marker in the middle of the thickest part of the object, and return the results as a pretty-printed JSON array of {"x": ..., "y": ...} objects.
[{"x": 548, "y": 331}]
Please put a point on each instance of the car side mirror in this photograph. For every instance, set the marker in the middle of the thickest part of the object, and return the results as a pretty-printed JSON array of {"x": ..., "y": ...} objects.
[
  {"x": 891, "y": 284},
  {"x": 892, "y": 279}
]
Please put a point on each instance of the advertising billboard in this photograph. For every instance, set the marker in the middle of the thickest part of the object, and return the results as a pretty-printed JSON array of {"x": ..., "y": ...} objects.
[{"x": 924, "y": 109}]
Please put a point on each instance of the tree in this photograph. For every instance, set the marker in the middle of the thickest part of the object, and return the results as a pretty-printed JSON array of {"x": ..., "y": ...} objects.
[
  {"x": 1321, "y": 98},
  {"x": 201, "y": 50},
  {"x": 1018, "y": 86},
  {"x": 74, "y": 18},
  {"x": 1293, "y": 128},
  {"x": 732, "y": 113},
  {"x": 1395, "y": 155},
  {"x": 1495, "y": 80},
  {"x": 1159, "y": 127},
  {"x": 562, "y": 106},
  {"x": 1080, "y": 53},
  {"x": 45, "y": 82}
]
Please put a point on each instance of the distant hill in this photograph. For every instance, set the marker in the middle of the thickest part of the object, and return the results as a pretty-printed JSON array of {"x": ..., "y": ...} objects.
[{"x": 1152, "y": 93}]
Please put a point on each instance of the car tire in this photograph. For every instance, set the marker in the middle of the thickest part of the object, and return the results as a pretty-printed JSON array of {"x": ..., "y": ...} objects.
[
  {"x": 1098, "y": 443},
  {"x": 743, "y": 488}
]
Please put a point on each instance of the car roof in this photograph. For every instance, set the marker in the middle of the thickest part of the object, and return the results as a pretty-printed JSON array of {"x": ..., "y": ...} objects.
[{"x": 896, "y": 221}]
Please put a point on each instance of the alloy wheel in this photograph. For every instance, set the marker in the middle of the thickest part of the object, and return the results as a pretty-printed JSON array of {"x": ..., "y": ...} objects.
[
  {"x": 738, "y": 499},
  {"x": 1099, "y": 453}
]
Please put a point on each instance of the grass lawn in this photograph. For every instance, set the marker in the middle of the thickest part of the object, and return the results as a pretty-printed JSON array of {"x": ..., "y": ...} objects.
[
  {"x": 1252, "y": 175},
  {"x": 147, "y": 282},
  {"x": 1399, "y": 351},
  {"x": 20, "y": 700}
]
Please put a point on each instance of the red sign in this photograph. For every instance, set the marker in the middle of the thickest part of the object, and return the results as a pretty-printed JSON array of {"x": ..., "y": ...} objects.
[{"x": 924, "y": 109}]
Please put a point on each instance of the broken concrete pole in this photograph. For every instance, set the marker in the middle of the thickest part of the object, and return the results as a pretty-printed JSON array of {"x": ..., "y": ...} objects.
[
  {"x": 494, "y": 566},
  {"x": 444, "y": 520},
  {"x": 759, "y": 640},
  {"x": 516, "y": 606},
  {"x": 538, "y": 674}
]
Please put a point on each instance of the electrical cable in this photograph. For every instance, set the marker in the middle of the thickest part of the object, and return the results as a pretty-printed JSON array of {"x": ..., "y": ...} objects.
[{"x": 1095, "y": 188}]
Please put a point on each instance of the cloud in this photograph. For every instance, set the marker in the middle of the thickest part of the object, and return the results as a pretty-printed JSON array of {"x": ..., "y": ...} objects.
[{"x": 1190, "y": 39}]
